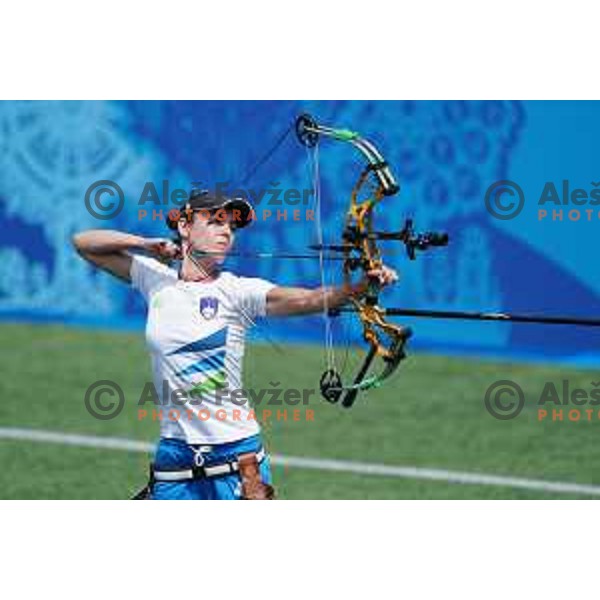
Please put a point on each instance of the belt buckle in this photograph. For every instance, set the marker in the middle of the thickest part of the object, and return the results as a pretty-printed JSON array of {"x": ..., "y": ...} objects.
[{"x": 199, "y": 456}]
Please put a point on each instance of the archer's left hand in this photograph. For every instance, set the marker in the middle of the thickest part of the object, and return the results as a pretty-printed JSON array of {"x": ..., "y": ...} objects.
[{"x": 385, "y": 275}]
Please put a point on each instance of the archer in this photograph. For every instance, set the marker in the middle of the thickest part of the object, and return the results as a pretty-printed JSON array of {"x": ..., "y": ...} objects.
[{"x": 196, "y": 323}]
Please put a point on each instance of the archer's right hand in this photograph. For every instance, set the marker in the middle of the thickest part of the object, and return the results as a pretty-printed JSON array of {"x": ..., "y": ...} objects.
[{"x": 162, "y": 248}]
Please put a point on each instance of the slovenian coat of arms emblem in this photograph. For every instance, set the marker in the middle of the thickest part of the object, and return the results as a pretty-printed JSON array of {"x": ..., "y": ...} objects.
[{"x": 209, "y": 307}]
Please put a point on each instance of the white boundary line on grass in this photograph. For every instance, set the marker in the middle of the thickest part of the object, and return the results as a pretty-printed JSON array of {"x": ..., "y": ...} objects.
[{"x": 339, "y": 466}]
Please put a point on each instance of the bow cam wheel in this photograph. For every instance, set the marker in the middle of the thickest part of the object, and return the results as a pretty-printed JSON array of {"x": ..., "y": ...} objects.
[
  {"x": 304, "y": 126},
  {"x": 331, "y": 385}
]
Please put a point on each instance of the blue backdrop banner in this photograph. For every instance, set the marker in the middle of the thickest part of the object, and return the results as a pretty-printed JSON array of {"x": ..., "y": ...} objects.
[{"x": 448, "y": 156}]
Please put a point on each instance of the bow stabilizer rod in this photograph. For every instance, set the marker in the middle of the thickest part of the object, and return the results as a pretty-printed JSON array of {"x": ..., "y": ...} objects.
[{"x": 483, "y": 316}]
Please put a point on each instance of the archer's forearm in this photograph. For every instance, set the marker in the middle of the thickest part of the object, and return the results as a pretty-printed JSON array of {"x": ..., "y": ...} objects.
[
  {"x": 334, "y": 297},
  {"x": 323, "y": 298},
  {"x": 106, "y": 241},
  {"x": 282, "y": 301}
]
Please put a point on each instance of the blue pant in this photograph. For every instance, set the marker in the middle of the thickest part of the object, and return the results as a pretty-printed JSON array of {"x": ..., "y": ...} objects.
[{"x": 177, "y": 454}]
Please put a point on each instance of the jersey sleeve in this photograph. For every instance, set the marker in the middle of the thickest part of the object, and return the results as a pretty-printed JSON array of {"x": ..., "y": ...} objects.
[
  {"x": 148, "y": 275},
  {"x": 252, "y": 296}
]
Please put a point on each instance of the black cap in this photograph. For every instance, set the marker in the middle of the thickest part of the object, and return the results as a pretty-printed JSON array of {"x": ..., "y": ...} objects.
[{"x": 206, "y": 200}]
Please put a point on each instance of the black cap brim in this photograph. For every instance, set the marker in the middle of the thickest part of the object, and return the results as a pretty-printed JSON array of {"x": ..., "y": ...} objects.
[{"x": 241, "y": 218}]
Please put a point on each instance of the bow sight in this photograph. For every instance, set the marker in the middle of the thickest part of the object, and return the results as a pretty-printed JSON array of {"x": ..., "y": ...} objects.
[
  {"x": 411, "y": 240},
  {"x": 415, "y": 241}
]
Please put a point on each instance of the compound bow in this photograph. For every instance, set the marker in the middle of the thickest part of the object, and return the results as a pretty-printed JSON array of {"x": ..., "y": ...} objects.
[{"x": 360, "y": 251}]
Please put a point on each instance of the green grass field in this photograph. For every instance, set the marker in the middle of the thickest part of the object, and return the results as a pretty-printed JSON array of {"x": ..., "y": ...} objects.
[{"x": 430, "y": 415}]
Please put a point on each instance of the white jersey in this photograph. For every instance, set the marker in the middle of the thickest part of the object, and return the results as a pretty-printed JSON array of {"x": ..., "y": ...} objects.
[{"x": 195, "y": 333}]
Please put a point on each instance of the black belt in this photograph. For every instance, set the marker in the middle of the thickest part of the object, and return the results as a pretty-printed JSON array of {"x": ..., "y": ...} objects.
[{"x": 200, "y": 471}]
